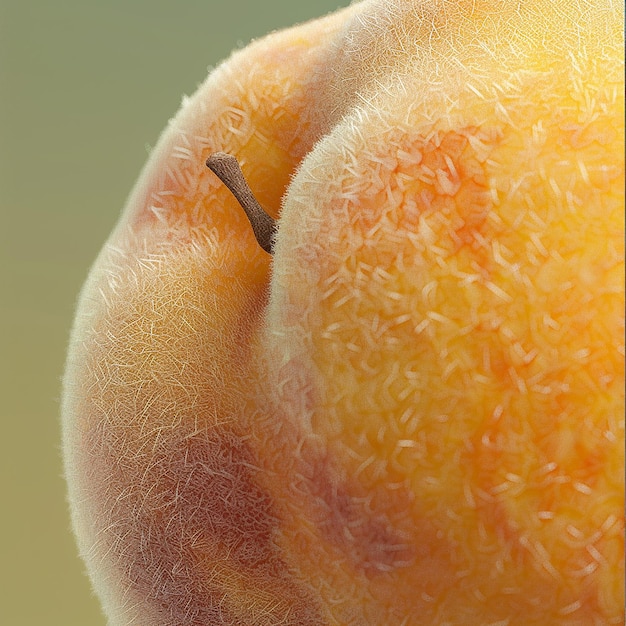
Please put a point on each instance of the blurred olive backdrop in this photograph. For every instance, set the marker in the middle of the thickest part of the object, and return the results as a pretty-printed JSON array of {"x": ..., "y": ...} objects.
[{"x": 85, "y": 89}]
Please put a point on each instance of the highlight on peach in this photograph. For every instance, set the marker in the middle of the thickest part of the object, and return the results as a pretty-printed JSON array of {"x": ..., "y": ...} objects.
[{"x": 367, "y": 367}]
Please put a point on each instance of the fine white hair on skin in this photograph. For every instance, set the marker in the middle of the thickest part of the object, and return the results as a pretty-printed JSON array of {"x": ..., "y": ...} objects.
[{"x": 413, "y": 412}]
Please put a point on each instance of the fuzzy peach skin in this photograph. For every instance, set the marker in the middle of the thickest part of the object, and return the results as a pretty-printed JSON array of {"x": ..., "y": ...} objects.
[{"x": 413, "y": 412}]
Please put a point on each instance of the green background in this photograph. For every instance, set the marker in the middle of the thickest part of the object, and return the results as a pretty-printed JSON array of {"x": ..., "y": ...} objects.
[{"x": 85, "y": 89}]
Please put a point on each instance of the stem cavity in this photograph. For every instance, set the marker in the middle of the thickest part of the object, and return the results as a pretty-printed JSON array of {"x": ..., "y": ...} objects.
[{"x": 227, "y": 169}]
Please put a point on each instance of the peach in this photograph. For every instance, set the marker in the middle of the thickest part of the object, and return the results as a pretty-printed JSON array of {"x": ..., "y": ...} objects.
[{"x": 412, "y": 413}]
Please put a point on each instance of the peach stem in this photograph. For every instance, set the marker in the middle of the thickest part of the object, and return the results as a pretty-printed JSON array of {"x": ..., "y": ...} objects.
[{"x": 227, "y": 169}]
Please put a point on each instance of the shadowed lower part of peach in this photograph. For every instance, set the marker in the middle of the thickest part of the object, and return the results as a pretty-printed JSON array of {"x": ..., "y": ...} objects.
[{"x": 193, "y": 543}]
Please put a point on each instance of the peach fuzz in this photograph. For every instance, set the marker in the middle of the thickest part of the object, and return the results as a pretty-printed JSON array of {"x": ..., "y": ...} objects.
[{"x": 413, "y": 412}]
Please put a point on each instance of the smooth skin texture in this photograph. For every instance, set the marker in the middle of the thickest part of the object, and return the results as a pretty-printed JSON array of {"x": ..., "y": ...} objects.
[{"x": 413, "y": 412}]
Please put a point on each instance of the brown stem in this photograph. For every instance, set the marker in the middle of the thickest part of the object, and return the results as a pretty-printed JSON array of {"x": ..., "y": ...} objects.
[{"x": 227, "y": 169}]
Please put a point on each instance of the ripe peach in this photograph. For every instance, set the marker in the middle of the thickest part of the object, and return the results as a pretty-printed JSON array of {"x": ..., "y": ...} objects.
[{"x": 413, "y": 412}]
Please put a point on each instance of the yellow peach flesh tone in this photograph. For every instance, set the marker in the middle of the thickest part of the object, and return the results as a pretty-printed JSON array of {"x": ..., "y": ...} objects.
[{"x": 414, "y": 413}]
